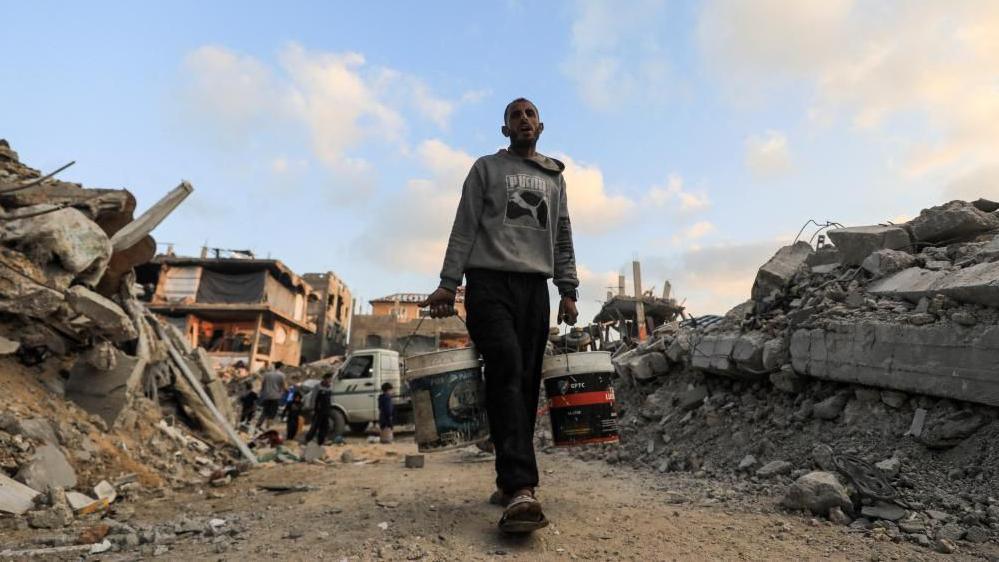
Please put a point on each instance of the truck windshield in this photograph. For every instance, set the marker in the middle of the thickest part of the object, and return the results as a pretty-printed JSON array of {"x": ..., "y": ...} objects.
[{"x": 357, "y": 368}]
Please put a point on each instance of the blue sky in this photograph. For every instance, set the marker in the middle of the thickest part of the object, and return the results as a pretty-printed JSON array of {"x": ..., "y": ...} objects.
[{"x": 699, "y": 136}]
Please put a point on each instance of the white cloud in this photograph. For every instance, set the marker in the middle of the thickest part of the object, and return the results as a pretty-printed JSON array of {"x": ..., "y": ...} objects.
[
  {"x": 675, "y": 195},
  {"x": 232, "y": 90},
  {"x": 592, "y": 209},
  {"x": 768, "y": 156},
  {"x": 411, "y": 229},
  {"x": 615, "y": 53},
  {"x": 935, "y": 64},
  {"x": 980, "y": 183},
  {"x": 693, "y": 233},
  {"x": 711, "y": 279},
  {"x": 337, "y": 100}
]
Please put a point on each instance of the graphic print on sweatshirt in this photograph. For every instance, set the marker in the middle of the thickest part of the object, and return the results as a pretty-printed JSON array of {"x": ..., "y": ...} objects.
[{"x": 526, "y": 201}]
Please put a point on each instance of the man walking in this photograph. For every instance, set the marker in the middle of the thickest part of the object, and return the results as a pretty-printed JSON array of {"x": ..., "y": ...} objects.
[
  {"x": 272, "y": 388},
  {"x": 510, "y": 235}
]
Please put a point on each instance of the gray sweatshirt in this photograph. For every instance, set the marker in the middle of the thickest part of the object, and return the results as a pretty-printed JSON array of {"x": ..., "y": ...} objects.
[{"x": 512, "y": 216}]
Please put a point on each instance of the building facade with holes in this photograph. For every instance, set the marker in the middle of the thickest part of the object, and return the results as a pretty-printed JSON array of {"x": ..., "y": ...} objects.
[{"x": 241, "y": 310}]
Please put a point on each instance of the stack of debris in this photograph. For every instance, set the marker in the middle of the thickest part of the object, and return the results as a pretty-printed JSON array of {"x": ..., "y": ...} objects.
[
  {"x": 84, "y": 368},
  {"x": 882, "y": 346}
]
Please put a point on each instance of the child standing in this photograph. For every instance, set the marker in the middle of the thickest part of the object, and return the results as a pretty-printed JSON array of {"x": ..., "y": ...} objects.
[
  {"x": 293, "y": 411},
  {"x": 385, "y": 413},
  {"x": 249, "y": 403}
]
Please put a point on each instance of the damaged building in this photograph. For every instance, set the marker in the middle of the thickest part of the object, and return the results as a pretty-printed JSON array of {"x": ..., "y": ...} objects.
[
  {"x": 398, "y": 322},
  {"x": 330, "y": 311},
  {"x": 247, "y": 310}
]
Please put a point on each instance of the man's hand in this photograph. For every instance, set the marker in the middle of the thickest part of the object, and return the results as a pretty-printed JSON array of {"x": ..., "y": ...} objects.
[
  {"x": 567, "y": 311},
  {"x": 441, "y": 303}
]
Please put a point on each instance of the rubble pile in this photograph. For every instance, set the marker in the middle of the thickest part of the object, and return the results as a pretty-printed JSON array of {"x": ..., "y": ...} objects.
[
  {"x": 95, "y": 388},
  {"x": 859, "y": 382}
]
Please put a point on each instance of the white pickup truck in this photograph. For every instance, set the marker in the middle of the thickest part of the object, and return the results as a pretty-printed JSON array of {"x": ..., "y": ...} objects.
[{"x": 356, "y": 386}]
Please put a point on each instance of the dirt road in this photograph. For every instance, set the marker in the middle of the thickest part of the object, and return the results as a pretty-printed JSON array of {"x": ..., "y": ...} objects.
[{"x": 375, "y": 509}]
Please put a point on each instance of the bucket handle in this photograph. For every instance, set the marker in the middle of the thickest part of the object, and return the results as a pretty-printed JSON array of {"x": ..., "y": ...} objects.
[{"x": 418, "y": 324}]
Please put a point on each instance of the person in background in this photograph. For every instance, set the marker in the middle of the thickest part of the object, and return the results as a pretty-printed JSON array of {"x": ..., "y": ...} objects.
[
  {"x": 385, "y": 413},
  {"x": 248, "y": 401},
  {"x": 293, "y": 415},
  {"x": 272, "y": 389},
  {"x": 322, "y": 407},
  {"x": 287, "y": 399}
]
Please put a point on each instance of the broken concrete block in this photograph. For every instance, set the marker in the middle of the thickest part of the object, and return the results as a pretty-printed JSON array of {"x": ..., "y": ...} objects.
[
  {"x": 986, "y": 205},
  {"x": 936, "y": 359},
  {"x": 648, "y": 366},
  {"x": 15, "y": 497},
  {"x": 39, "y": 429},
  {"x": 777, "y": 273},
  {"x": 990, "y": 251},
  {"x": 78, "y": 501},
  {"x": 910, "y": 284},
  {"x": 313, "y": 451},
  {"x": 817, "y": 492},
  {"x": 47, "y": 468},
  {"x": 748, "y": 352},
  {"x": 858, "y": 242},
  {"x": 693, "y": 398},
  {"x": 104, "y": 490},
  {"x": 56, "y": 516},
  {"x": 918, "y": 423},
  {"x": 826, "y": 255},
  {"x": 830, "y": 408},
  {"x": 774, "y": 468},
  {"x": 952, "y": 222},
  {"x": 8, "y": 347},
  {"x": 104, "y": 393},
  {"x": 106, "y": 315},
  {"x": 414, "y": 461},
  {"x": 883, "y": 510},
  {"x": 775, "y": 353},
  {"x": 65, "y": 237},
  {"x": 713, "y": 353},
  {"x": 788, "y": 381},
  {"x": 885, "y": 262}
]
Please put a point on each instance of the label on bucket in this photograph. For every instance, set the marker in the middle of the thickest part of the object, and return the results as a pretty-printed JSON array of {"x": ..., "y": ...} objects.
[
  {"x": 449, "y": 409},
  {"x": 581, "y": 409}
]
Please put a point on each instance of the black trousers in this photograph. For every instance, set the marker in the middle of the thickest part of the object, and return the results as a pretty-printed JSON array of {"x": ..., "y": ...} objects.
[
  {"x": 320, "y": 426},
  {"x": 508, "y": 318}
]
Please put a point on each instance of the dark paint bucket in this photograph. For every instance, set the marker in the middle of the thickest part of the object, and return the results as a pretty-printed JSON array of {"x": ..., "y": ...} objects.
[
  {"x": 580, "y": 398},
  {"x": 449, "y": 399}
]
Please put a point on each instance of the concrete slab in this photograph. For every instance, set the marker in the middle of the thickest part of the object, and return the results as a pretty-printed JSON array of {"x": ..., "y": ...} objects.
[
  {"x": 15, "y": 497},
  {"x": 857, "y": 242},
  {"x": 104, "y": 393},
  {"x": 952, "y": 222},
  {"x": 936, "y": 360},
  {"x": 47, "y": 468},
  {"x": 978, "y": 284},
  {"x": 910, "y": 284},
  {"x": 734, "y": 355},
  {"x": 105, "y": 313},
  {"x": 777, "y": 273}
]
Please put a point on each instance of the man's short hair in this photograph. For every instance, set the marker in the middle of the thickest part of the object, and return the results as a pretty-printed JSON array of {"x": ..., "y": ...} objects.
[
  {"x": 386, "y": 386},
  {"x": 327, "y": 376},
  {"x": 278, "y": 365},
  {"x": 506, "y": 112}
]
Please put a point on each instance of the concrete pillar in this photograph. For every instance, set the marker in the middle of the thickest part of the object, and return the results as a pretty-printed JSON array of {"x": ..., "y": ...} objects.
[
  {"x": 620, "y": 285},
  {"x": 639, "y": 305}
]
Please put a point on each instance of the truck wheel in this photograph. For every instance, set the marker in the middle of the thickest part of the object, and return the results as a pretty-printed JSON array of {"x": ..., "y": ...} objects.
[
  {"x": 359, "y": 427},
  {"x": 339, "y": 423}
]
